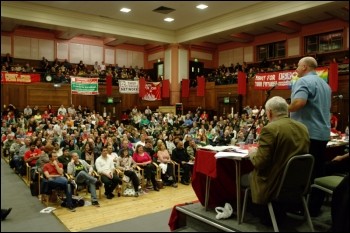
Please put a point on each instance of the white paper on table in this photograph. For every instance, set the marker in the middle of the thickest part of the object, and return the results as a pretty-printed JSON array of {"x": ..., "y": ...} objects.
[
  {"x": 221, "y": 148},
  {"x": 230, "y": 155}
]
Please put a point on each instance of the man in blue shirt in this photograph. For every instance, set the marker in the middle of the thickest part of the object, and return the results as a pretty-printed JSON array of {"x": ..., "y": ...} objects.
[{"x": 310, "y": 105}]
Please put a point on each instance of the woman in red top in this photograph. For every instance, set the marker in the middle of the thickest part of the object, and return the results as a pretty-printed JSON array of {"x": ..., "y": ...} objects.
[{"x": 144, "y": 160}]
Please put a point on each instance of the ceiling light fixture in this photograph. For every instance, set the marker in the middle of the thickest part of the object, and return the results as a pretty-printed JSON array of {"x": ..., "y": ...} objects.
[
  {"x": 169, "y": 19},
  {"x": 125, "y": 10},
  {"x": 201, "y": 6}
]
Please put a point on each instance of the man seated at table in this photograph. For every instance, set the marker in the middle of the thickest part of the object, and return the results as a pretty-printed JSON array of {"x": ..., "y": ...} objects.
[{"x": 280, "y": 140}]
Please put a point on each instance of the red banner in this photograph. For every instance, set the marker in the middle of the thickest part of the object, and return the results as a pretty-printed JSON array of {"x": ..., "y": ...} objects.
[
  {"x": 109, "y": 85},
  {"x": 283, "y": 80},
  {"x": 166, "y": 88},
  {"x": 242, "y": 83},
  {"x": 142, "y": 84},
  {"x": 9, "y": 77},
  {"x": 200, "y": 86},
  {"x": 152, "y": 91},
  {"x": 333, "y": 76},
  {"x": 185, "y": 88}
]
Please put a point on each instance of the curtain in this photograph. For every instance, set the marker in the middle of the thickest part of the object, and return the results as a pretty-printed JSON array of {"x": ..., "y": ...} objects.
[
  {"x": 109, "y": 85},
  {"x": 200, "y": 86},
  {"x": 333, "y": 76},
  {"x": 185, "y": 88},
  {"x": 165, "y": 88},
  {"x": 242, "y": 83},
  {"x": 142, "y": 84}
]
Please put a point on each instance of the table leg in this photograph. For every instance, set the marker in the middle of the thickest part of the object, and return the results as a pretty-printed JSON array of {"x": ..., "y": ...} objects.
[
  {"x": 207, "y": 191},
  {"x": 238, "y": 189}
]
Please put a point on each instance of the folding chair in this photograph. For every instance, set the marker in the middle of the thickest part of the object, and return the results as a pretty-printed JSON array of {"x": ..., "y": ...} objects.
[{"x": 294, "y": 186}]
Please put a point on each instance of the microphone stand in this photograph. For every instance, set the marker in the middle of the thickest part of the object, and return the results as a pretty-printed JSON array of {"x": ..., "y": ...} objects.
[{"x": 268, "y": 93}]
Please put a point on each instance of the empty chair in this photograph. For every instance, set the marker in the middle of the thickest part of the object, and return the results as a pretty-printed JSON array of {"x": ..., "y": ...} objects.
[
  {"x": 327, "y": 183},
  {"x": 293, "y": 188}
]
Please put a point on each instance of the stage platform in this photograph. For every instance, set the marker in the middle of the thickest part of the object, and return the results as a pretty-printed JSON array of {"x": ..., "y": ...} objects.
[{"x": 194, "y": 218}]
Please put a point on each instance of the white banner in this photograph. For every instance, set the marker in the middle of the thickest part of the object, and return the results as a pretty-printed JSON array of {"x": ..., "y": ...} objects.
[{"x": 128, "y": 87}]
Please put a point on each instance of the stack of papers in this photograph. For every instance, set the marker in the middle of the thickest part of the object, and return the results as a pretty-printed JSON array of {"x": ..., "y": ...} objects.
[
  {"x": 235, "y": 155},
  {"x": 219, "y": 148}
]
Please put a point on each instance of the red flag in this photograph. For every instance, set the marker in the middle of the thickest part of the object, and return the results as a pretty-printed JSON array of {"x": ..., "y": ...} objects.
[
  {"x": 109, "y": 85},
  {"x": 242, "y": 83},
  {"x": 333, "y": 76},
  {"x": 185, "y": 88},
  {"x": 142, "y": 84},
  {"x": 165, "y": 88},
  {"x": 200, "y": 86}
]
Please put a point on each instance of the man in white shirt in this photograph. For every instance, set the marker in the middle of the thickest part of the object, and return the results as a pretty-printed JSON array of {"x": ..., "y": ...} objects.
[{"x": 105, "y": 167}]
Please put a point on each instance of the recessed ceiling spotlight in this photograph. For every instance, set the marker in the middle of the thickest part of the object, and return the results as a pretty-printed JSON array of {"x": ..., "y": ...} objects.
[
  {"x": 169, "y": 19},
  {"x": 125, "y": 10},
  {"x": 201, "y": 6}
]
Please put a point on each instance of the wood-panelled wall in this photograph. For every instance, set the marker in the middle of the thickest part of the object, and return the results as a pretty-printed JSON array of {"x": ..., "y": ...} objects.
[{"x": 42, "y": 94}]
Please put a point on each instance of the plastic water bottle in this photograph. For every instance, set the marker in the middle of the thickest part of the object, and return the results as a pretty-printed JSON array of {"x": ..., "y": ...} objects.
[
  {"x": 250, "y": 138},
  {"x": 347, "y": 133}
]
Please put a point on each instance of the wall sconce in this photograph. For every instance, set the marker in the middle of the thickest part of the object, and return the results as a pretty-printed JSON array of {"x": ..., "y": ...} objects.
[{"x": 159, "y": 60}]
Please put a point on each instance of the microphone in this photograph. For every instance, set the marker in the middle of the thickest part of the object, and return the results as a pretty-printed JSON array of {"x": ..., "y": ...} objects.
[
  {"x": 273, "y": 87},
  {"x": 338, "y": 97}
]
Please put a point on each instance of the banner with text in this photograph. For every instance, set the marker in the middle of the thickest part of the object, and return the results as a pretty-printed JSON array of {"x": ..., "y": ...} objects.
[
  {"x": 7, "y": 77},
  {"x": 128, "y": 87},
  {"x": 152, "y": 91},
  {"x": 84, "y": 86},
  {"x": 283, "y": 80}
]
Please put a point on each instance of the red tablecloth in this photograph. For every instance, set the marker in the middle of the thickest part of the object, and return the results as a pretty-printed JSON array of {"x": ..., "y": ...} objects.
[{"x": 223, "y": 178}]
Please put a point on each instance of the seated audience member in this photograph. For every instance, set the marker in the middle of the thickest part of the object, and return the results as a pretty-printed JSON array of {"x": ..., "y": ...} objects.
[
  {"x": 44, "y": 158},
  {"x": 88, "y": 154},
  {"x": 191, "y": 149},
  {"x": 167, "y": 168},
  {"x": 53, "y": 172},
  {"x": 144, "y": 160},
  {"x": 112, "y": 154},
  {"x": 105, "y": 167},
  {"x": 125, "y": 145},
  {"x": 32, "y": 154},
  {"x": 225, "y": 139},
  {"x": 334, "y": 123},
  {"x": 18, "y": 160},
  {"x": 65, "y": 158},
  {"x": 279, "y": 141},
  {"x": 149, "y": 148},
  {"x": 180, "y": 156},
  {"x": 126, "y": 164},
  {"x": 83, "y": 174}
]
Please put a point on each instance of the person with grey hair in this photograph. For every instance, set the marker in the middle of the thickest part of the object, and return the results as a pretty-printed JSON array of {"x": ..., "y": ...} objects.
[
  {"x": 310, "y": 105},
  {"x": 281, "y": 139}
]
